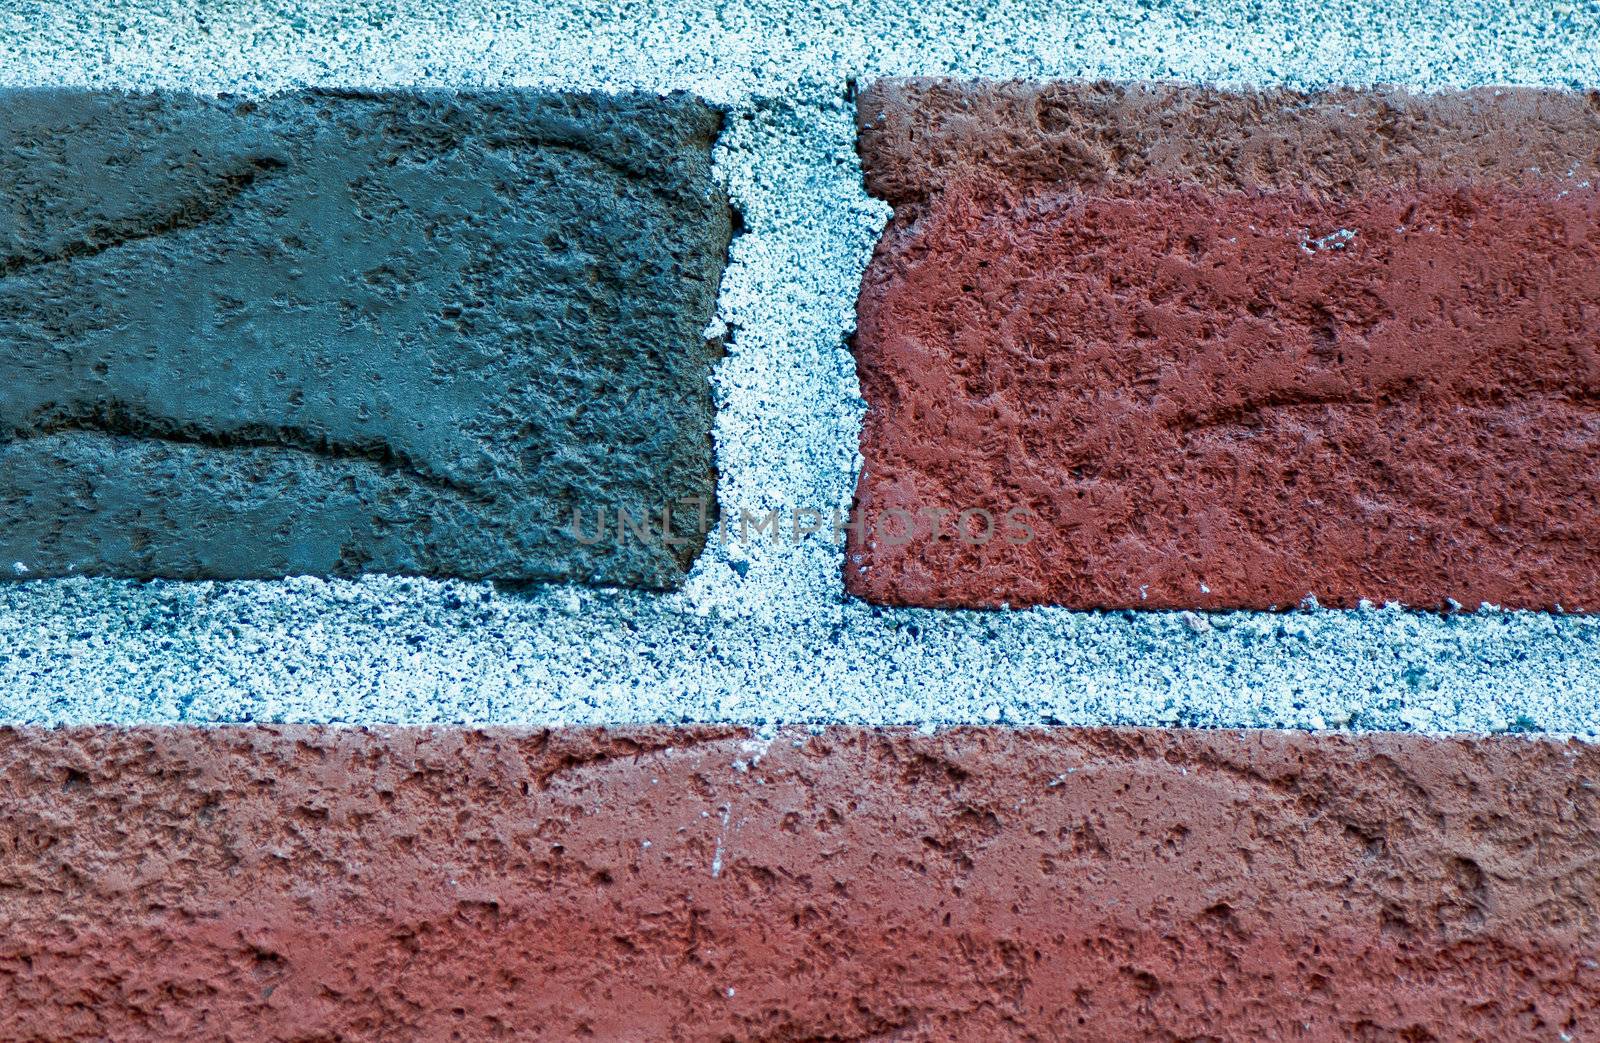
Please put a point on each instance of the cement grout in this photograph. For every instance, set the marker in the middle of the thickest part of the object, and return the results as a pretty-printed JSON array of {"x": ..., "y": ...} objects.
[{"x": 763, "y": 634}]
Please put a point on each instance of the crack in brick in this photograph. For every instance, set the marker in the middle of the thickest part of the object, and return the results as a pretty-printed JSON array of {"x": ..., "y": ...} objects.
[
  {"x": 102, "y": 238},
  {"x": 117, "y": 419}
]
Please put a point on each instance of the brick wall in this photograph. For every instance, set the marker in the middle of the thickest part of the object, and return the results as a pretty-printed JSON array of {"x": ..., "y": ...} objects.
[{"x": 329, "y": 408}]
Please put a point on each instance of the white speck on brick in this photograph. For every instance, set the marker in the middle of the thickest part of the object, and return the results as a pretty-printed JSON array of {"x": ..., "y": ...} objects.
[{"x": 716, "y": 859}]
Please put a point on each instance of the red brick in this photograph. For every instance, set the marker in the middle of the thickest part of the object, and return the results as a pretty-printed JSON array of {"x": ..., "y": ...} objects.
[
  {"x": 1171, "y": 350},
  {"x": 920, "y": 134},
  {"x": 298, "y": 883}
]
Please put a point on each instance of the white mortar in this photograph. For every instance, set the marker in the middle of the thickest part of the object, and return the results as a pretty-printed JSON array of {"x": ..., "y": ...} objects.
[{"x": 780, "y": 642}]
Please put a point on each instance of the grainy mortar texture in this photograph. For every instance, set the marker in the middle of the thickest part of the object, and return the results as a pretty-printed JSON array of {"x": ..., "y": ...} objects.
[
  {"x": 332, "y": 332},
  {"x": 761, "y": 631},
  {"x": 1231, "y": 350},
  {"x": 702, "y": 884}
]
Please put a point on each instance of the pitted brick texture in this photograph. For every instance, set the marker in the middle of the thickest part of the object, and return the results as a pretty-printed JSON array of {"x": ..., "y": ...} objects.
[
  {"x": 340, "y": 332},
  {"x": 918, "y": 135},
  {"x": 700, "y": 884},
  {"x": 1231, "y": 368}
]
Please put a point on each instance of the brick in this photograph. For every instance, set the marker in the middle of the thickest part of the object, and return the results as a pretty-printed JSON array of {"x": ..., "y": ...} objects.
[
  {"x": 918, "y": 135},
  {"x": 341, "y": 332},
  {"x": 699, "y": 884},
  {"x": 1232, "y": 350}
]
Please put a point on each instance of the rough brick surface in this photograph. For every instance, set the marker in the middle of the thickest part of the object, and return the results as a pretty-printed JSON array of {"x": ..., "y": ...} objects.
[
  {"x": 334, "y": 332},
  {"x": 917, "y": 135},
  {"x": 698, "y": 884},
  {"x": 1230, "y": 357}
]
